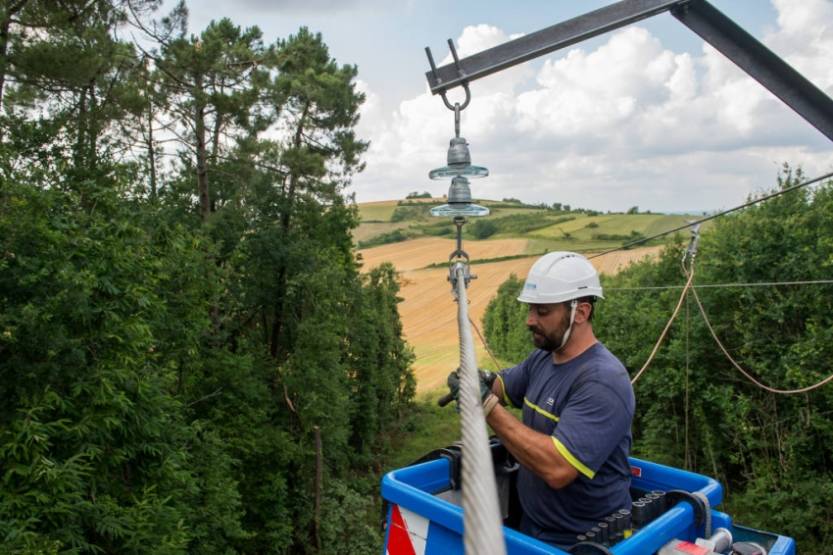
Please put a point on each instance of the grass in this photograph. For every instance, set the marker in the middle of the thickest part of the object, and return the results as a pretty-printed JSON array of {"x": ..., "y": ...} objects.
[
  {"x": 395, "y": 236},
  {"x": 368, "y": 230},
  {"x": 377, "y": 211},
  {"x": 412, "y": 217},
  {"x": 604, "y": 231},
  {"x": 428, "y": 427}
]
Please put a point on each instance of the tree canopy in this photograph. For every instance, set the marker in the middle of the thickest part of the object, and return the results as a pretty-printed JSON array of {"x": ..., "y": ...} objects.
[{"x": 182, "y": 315}]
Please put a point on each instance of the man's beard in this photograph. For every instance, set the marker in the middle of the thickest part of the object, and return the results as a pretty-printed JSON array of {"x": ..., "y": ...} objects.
[{"x": 552, "y": 341}]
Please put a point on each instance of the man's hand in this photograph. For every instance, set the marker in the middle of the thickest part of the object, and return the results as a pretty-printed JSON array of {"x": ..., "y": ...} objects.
[{"x": 453, "y": 381}]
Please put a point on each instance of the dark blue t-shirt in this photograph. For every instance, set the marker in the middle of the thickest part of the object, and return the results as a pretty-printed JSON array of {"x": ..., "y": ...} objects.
[{"x": 586, "y": 405}]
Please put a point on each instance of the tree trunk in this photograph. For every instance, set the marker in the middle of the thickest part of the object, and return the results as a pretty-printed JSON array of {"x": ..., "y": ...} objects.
[
  {"x": 81, "y": 137},
  {"x": 286, "y": 221},
  {"x": 150, "y": 143},
  {"x": 5, "y": 25},
  {"x": 92, "y": 130},
  {"x": 215, "y": 150},
  {"x": 319, "y": 479},
  {"x": 202, "y": 169},
  {"x": 4, "y": 65}
]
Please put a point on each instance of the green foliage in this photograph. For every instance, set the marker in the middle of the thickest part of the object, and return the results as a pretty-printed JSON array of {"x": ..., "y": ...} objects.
[
  {"x": 632, "y": 236},
  {"x": 504, "y": 322},
  {"x": 345, "y": 508},
  {"x": 426, "y": 427},
  {"x": 523, "y": 223},
  {"x": 410, "y": 212},
  {"x": 483, "y": 229},
  {"x": 438, "y": 230},
  {"x": 417, "y": 194},
  {"x": 395, "y": 236},
  {"x": 170, "y": 341},
  {"x": 92, "y": 435},
  {"x": 694, "y": 410}
]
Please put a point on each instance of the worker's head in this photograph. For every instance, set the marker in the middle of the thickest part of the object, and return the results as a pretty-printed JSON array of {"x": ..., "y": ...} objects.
[{"x": 560, "y": 290}]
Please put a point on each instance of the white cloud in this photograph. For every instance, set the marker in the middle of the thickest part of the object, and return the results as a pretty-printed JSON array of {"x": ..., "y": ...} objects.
[{"x": 626, "y": 123}]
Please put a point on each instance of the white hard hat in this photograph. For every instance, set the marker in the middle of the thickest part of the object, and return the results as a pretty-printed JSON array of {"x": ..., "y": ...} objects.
[{"x": 560, "y": 276}]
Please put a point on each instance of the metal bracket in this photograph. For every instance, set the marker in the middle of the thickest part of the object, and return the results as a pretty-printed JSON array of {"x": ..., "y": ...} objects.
[
  {"x": 713, "y": 26},
  {"x": 460, "y": 81},
  {"x": 542, "y": 42},
  {"x": 691, "y": 251}
]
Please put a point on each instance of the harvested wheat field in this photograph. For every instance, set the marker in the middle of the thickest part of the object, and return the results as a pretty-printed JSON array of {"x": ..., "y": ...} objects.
[{"x": 429, "y": 315}]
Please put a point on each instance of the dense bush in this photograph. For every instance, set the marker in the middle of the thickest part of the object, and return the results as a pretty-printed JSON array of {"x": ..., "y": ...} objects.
[
  {"x": 632, "y": 236},
  {"x": 395, "y": 236},
  {"x": 483, "y": 229},
  {"x": 410, "y": 212}
]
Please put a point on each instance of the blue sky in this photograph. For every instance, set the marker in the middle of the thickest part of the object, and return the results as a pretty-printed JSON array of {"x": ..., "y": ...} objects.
[{"x": 643, "y": 116}]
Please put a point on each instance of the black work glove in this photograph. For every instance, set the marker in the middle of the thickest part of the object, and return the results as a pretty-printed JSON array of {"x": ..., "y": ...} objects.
[{"x": 453, "y": 381}]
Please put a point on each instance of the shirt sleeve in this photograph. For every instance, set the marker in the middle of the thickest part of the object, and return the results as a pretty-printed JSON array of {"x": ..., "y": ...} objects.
[
  {"x": 591, "y": 426},
  {"x": 515, "y": 381}
]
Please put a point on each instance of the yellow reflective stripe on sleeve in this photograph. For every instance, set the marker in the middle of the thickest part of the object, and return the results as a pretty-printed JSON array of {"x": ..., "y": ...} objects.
[
  {"x": 540, "y": 411},
  {"x": 577, "y": 464},
  {"x": 506, "y": 400}
]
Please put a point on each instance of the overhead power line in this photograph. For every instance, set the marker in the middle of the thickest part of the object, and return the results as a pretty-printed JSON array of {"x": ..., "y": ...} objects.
[
  {"x": 722, "y": 285},
  {"x": 740, "y": 369},
  {"x": 688, "y": 287},
  {"x": 717, "y": 215}
]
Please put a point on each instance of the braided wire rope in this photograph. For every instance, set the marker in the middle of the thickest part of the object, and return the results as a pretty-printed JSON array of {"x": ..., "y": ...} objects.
[
  {"x": 740, "y": 369},
  {"x": 689, "y": 287},
  {"x": 667, "y": 327},
  {"x": 485, "y": 345},
  {"x": 482, "y": 522}
]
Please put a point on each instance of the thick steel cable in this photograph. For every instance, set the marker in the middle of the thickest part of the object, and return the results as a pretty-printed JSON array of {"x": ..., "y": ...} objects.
[
  {"x": 482, "y": 522},
  {"x": 667, "y": 327},
  {"x": 717, "y": 215},
  {"x": 746, "y": 374}
]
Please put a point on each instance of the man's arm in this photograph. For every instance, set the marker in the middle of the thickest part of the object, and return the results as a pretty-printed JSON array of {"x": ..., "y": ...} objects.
[{"x": 534, "y": 450}]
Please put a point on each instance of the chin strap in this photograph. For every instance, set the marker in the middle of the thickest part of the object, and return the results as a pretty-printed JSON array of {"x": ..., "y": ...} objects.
[{"x": 566, "y": 337}]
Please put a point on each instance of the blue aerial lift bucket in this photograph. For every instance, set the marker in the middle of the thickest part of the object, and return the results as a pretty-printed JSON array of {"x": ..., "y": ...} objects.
[{"x": 424, "y": 516}]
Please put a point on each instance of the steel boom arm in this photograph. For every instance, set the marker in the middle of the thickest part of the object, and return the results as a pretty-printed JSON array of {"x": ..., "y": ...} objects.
[{"x": 708, "y": 22}]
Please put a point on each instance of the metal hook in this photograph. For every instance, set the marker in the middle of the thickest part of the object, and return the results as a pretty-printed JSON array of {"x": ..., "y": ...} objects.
[
  {"x": 460, "y": 72},
  {"x": 462, "y": 106}
]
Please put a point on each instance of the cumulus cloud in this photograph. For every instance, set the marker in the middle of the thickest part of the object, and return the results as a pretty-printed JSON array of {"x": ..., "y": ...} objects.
[{"x": 628, "y": 122}]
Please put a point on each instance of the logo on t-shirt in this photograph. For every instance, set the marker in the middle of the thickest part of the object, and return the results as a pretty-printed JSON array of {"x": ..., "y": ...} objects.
[{"x": 550, "y": 402}]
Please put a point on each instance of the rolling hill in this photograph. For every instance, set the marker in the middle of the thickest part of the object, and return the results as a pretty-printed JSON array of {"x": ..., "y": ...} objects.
[{"x": 521, "y": 233}]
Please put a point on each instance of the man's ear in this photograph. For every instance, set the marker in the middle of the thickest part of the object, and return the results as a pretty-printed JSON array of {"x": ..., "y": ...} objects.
[{"x": 583, "y": 312}]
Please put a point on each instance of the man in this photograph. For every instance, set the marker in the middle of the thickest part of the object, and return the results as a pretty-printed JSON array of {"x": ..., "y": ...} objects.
[{"x": 577, "y": 404}]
